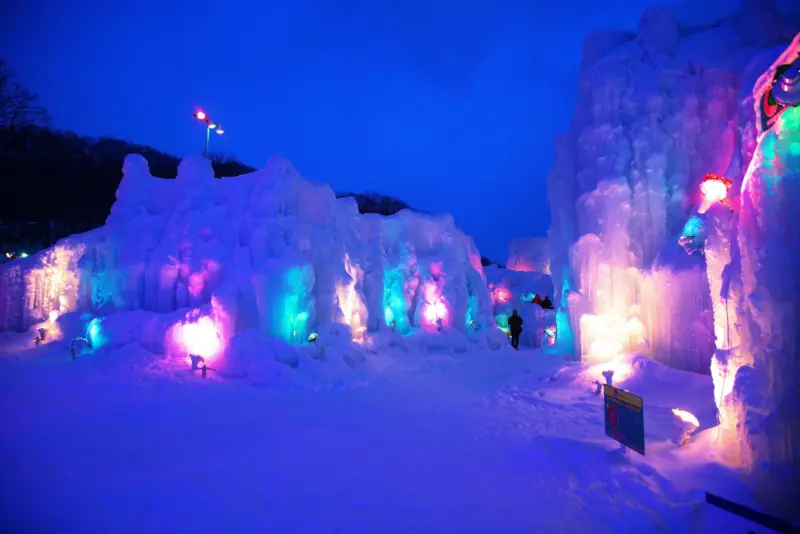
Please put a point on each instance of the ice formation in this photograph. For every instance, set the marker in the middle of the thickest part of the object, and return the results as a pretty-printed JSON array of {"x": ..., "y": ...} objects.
[
  {"x": 656, "y": 111},
  {"x": 753, "y": 269},
  {"x": 529, "y": 254},
  {"x": 514, "y": 290},
  {"x": 268, "y": 251}
]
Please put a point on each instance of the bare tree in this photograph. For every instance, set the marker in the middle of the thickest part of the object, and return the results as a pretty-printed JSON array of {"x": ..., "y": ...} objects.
[{"x": 18, "y": 105}]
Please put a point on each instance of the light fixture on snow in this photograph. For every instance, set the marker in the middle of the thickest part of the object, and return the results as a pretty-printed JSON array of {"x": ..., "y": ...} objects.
[
  {"x": 689, "y": 422},
  {"x": 78, "y": 345},
  {"x": 199, "y": 364},
  {"x": 312, "y": 337},
  {"x": 359, "y": 333},
  {"x": 608, "y": 375},
  {"x": 44, "y": 329},
  {"x": 42, "y": 335}
]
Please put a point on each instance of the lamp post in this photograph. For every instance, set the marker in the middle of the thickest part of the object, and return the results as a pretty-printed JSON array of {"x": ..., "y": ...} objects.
[{"x": 210, "y": 125}]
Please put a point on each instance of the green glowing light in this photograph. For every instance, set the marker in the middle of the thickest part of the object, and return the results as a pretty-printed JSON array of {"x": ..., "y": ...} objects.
[
  {"x": 95, "y": 334},
  {"x": 23, "y": 255},
  {"x": 394, "y": 301},
  {"x": 693, "y": 227},
  {"x": 502, "y": 322},
  {"x": 295, "y": 306}
]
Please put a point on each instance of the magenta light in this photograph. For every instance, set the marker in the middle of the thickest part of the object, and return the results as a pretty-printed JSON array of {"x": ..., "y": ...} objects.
[
  {"x": 435, "y": 312},
  {"x": 202, "y": 337}
]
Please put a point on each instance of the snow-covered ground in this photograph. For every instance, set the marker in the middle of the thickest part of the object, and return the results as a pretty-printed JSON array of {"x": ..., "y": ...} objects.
[{"x": 425, "y": 442}]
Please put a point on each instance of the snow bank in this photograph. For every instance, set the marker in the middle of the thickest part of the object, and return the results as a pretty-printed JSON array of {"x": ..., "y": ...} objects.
[
  {"x": 267, "y": 251},
  {"x": 656, "y": 111},
  {"x": 513, "y": 290}
]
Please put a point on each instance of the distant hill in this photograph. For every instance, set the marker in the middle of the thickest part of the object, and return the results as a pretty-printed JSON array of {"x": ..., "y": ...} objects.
[{"x": 68, "y": 183}]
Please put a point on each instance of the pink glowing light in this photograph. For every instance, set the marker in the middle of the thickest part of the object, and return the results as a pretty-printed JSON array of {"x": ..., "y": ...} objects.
[
  {"x": 435, "y": 312},
  {"x": 201, "y": 337},
  {"x": 715, "y": 188},
  {"x": 502, "y": 294}
]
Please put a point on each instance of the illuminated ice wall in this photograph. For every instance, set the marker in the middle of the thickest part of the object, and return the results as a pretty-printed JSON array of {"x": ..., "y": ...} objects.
[
  {"x": 268, "y": 250},
  {"x": 657, "y": 109},
  {"x": 753, "y": 268}
]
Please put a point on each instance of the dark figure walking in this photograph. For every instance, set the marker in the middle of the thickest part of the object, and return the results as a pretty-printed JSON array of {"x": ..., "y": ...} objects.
[
  {"x": 515, "y": 325},
  {"x": 547, "y": 304}
]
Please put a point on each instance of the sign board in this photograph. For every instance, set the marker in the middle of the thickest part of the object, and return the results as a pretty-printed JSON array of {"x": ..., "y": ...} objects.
[{"x": 624, "y": 418}]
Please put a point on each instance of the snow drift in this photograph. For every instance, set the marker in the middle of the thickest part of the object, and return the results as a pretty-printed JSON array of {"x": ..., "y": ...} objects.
[{"x": 267, "y": 251}]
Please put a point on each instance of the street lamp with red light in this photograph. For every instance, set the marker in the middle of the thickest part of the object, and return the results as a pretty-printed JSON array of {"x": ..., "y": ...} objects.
[{"x": 202, "y": 117}]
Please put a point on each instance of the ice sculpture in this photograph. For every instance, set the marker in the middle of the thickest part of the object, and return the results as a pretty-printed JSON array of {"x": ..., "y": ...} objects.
[
  {"x": 751, "y": 248},
  {"x": 529, "y": 254},
  {"x": 656, "y": 111},
  {"x": 268, "y": 251},
  {"x": 514, "y": 290}
]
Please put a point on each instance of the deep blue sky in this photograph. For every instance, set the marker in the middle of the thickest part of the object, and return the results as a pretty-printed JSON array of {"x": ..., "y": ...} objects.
[{"x": 448, "y": 105}]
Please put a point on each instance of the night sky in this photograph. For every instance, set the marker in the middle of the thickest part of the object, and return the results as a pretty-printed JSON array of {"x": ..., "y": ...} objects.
[{"x": 448, "y": 105}]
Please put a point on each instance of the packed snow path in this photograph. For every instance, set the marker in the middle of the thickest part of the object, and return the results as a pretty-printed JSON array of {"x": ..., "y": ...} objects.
[{"x": 441, "y": 445}]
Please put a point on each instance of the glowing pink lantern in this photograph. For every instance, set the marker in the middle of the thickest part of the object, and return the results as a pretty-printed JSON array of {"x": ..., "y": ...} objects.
[{"x": 200, "y": 115}]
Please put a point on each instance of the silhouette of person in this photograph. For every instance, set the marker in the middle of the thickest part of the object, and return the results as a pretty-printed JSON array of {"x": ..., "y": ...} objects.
[
  {"x": 547, "y": 304},
  {"x": 515, "y": 325}
]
